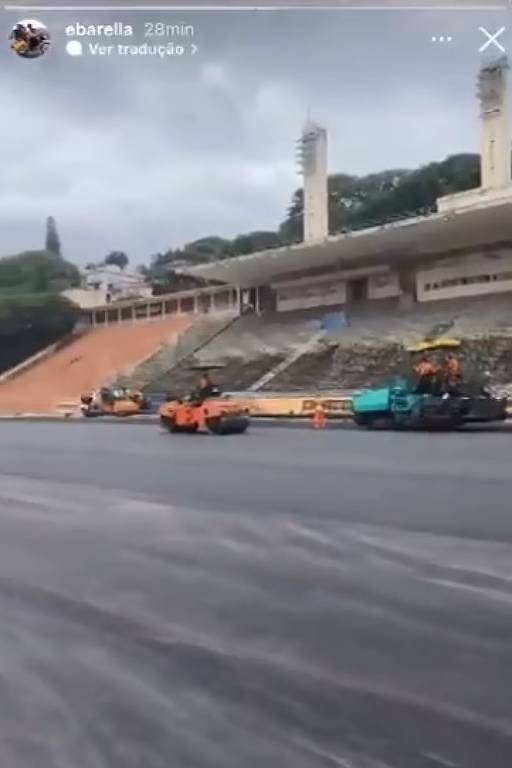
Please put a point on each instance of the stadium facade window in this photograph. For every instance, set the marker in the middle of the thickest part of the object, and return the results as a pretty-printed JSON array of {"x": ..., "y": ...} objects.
[
  {"x": 221, "y": 300},
  {"x": 453, "y": 282},
  {"x": 187, "y": 304},
  {"x": 307, "y": 296}
]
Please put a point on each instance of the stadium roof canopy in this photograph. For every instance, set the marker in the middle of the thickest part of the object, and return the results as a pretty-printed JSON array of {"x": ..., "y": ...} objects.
[{"x": 407, "y": 241}]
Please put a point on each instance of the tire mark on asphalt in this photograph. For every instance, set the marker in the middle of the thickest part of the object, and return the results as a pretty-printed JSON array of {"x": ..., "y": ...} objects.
[{"x": 211, "y": 665}]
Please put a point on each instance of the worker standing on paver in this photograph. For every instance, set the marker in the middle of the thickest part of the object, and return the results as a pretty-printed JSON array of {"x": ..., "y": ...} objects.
[
  {"x": 452, "y": 373},
  {"x": 425, "y": 371}
]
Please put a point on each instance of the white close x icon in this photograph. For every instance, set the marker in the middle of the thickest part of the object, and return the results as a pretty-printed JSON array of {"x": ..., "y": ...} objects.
[{"x": 492, "y": 39}]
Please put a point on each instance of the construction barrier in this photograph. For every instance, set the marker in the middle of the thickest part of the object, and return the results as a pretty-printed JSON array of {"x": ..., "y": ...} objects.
[
  {"x": 299, "y": 406},
  {"x": 304, "y": 406},
  {"x": 271, "y": 406}
]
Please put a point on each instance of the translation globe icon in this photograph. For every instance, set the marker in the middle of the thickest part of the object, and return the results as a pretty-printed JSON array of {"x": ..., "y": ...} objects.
[{"x": 74, "y": 48}]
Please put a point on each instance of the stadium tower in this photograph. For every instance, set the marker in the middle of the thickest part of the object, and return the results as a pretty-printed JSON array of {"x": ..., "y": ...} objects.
[
  {"x": 495, "y": 136},
  {"x": 312, "y": 157}
]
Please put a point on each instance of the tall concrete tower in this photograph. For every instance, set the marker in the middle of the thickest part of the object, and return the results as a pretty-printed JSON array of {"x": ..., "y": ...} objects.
[
  {"x": 495, "y": 148},
  {"x": 312, "y": 156}
]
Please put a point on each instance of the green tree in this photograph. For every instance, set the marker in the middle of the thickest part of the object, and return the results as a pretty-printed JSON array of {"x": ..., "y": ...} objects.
[
  {"x": 117, "y": 258},
  {"x": 33, "y": 314},
  {"x": 40, "y": 281},
  {"x": 291, "y": 230},
  {"x": 30, "y": 322},
  {"x": 143, "y": 270},
  {"x": 36, "y": 271},
  {"x": 255, "y": 241},
  {"x": 356, "y": 202},
  {"x": 206, "y": 249},
  {"x": 52, "y": 237}
]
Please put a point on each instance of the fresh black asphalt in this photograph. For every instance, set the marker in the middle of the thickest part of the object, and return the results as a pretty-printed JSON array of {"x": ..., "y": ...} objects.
[{"x": 282, "y": 599}]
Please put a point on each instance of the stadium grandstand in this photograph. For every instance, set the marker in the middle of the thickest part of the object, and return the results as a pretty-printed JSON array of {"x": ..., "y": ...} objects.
[
  {"x": 55, "y": 378},
  {"x": 332, "y": 312}
]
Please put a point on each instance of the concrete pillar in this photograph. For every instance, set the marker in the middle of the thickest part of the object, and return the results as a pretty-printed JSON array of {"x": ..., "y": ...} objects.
[
  {"x": 407, "y": 282},
  {"x": 312, "y": 155},
  {"x": 495, "y": 163}
]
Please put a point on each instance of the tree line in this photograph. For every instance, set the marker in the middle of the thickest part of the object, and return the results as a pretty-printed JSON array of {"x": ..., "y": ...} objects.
[
  {"x": 355, "y": 202},
  {"x": 33, "y": 313}
]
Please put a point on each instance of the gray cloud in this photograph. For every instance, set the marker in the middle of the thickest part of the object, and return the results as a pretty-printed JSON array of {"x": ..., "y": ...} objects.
[{"x": 142, "y": 155}]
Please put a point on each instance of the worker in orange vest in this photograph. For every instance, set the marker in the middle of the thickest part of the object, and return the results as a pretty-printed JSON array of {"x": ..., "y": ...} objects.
[
  {"x": 424, "y": 367},
  {"x": 426, "y": 371},
  {"x": 452, "y": 373},
  {"x": 319, "y": 417}
]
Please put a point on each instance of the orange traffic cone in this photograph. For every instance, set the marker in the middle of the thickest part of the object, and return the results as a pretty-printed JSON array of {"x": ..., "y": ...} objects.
[{"x": 319, "y": 417}]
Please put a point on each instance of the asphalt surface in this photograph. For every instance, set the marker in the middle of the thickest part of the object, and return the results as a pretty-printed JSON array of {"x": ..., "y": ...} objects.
[{"x": 285, "y": 598}]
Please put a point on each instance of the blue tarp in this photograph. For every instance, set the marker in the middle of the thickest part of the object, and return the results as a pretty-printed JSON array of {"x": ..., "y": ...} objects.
[{"x": 334, "y": 321}]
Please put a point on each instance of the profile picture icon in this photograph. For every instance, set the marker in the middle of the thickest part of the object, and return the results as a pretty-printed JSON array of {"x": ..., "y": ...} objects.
[{"x": 29, "y": 39}]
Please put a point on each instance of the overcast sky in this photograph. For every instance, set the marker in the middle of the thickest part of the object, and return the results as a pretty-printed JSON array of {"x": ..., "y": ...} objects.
[{"x": 142, "y": 154}]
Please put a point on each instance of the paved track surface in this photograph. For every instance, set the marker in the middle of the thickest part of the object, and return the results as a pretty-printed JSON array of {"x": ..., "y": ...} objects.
[{"x": 283, "y": 599}]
